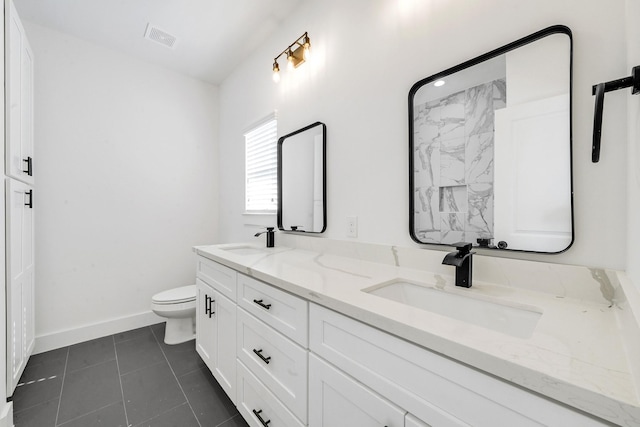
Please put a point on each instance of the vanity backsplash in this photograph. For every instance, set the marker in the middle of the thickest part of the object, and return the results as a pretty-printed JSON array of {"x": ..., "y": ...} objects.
[{"x": 563, "y": 281}]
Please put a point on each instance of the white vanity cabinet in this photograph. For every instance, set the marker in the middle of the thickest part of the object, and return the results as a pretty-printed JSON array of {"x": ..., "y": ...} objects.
[
  {"x": 253, "y": 337},
  {"x": 216, "y": 322},
  {"x": 299, "y": 363}
]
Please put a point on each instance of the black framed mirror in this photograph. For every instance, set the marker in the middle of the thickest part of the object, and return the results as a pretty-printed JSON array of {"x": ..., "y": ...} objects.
[
  {"x": 490, "y": 149},
  {"x": 302, "y": 201}
]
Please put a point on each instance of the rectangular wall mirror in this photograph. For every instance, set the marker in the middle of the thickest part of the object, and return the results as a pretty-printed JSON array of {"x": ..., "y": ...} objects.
[
  {"x": 490, "y": 149},
  {"x": 302, "y": 205}
]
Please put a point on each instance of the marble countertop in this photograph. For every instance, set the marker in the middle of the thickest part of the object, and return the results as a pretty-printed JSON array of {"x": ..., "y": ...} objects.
[{"x": 577, "y": 354}]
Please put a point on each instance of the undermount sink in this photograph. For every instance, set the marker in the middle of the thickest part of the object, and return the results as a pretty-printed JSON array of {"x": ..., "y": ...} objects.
[
  {"x": 517, "y": 321},
  {"x": 243, "y": 250}
]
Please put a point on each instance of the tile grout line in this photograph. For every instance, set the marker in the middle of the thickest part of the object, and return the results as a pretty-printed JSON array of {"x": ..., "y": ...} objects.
[
  {"x": 158, "y": 415},
  {"x": 176, "y": 377},
  {"x": 84, "y": 415},
  {"x": 228, "y": 419},
  {"x": 142, "y": 368},
  {"x": 64, "y": 375},
  {"x": 124, "y": 403}
]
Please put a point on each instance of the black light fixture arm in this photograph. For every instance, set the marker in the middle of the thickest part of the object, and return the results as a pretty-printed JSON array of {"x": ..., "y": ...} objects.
[
  {"x": 599, "y": 90},
  {"x": 297, "y": 43}
]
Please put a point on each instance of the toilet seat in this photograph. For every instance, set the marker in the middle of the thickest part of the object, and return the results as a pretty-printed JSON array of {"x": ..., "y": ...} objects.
[{"x": 176, "y": 295}]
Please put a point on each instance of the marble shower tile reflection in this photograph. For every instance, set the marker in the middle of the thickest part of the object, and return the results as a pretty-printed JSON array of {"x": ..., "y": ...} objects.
[
  {"x": 453, "y": 199},
  {"x": 427, "y": 165},
  {"x": 427, "y": 212},
  {"x": 479, "y": 158},
  {"x": 452, "y": 161},
  {"x": 452, "y": 227},
  {"x": 427, "y": 123},
  {"x": 452, "y": 117},
  {"x": 479, "y": 109},
  {"x": 481, "y": 212},
  {"x": 499, "y": 94}
]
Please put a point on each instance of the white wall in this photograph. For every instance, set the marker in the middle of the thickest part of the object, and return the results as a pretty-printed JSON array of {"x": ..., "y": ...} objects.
[
  {"x": 633, "y": 189},
  {"x": 126, "y": 183},
  {"x": 368, "y": 54}
]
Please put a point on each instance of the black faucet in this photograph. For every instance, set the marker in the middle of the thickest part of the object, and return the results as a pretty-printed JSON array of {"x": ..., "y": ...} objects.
[
  {"x": 462, "y": 259},
  {"x": 270, "y": 236}
]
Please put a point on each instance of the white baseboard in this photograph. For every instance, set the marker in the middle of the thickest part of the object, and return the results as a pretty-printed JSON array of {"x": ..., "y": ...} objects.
[
  {"x": 6, "y": 415},
  {"x": 67, "y": 337}
]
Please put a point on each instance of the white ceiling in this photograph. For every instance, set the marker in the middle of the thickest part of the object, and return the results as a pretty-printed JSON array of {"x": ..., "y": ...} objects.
[{"x": 213, "y": 36}]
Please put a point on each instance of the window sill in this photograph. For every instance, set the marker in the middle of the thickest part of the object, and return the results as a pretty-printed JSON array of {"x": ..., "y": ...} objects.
[{"x": 259, "y": 213}]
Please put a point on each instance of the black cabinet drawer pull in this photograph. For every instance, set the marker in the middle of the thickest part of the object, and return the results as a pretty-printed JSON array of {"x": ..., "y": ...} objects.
[
  {"x": 29, "y": 162},
  {"x": 262, "y": 304},
  {"x": 263, "y": 422},
  {"x": 207, "y": 305},
  {"x": 30, "y": 202},
  {"x": 264, "y": 359}
]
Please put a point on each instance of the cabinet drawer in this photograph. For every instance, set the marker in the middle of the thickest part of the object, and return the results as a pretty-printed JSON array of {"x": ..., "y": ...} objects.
[
  {"x": 435, "y": 389},
  {"x": 277, "y": 361},
  {"x": 222, "y": 278},
  {"x": 280, "y": 310},
  {"x": 254, "y": 396}
]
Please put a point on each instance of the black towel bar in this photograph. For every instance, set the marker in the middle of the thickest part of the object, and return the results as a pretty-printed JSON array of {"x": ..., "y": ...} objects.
[{"x": 599, "y": 90}]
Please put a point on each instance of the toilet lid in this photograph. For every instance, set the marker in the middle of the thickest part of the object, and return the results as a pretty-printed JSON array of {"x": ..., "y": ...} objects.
[{"x": 176, "y": 295}]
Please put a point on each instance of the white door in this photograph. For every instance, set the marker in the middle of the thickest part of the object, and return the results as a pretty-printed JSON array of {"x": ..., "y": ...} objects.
[
  {"x": 532, "y": 175},
  {"x": 19, "y": 98},
  {"x": 337, "y": 400},
  {"x": 224, "y": 314},
  {"x": 20, "y": 279},
  {"x": 205, "y": 324}
]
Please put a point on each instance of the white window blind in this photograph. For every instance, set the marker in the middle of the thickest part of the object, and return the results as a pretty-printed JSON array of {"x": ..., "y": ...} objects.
[{"x": 261, "y": 168}]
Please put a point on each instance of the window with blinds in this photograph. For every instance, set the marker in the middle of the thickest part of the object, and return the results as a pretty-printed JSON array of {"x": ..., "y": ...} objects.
[{"x": 261, "y": 168}]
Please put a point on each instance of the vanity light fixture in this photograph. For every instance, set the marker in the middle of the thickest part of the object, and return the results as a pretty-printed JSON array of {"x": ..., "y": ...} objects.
[{"x": 297, "y": 53}]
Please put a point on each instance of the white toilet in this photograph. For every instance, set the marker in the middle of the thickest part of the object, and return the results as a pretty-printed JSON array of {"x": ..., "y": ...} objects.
[{"x": 178, "y": 305}]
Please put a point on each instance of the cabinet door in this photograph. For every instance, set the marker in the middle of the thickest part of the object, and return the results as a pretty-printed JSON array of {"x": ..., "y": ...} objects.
[
  {"x": 224, "y": 316},
  {"x": 216, "y": 335},
  {"x": 205, "y": 324},
  {"x": 337, "y": 400},
  {"x": 19, "y": 98},
  {"x": 20, "y": 279}
]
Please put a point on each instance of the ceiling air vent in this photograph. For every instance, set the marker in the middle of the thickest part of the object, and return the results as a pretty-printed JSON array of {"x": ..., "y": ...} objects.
[{"x": 157, "y": 35}]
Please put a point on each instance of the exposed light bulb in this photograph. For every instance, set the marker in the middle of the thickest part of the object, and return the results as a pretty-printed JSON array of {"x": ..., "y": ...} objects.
[
  {"x": 276, "y": 72},
  {"x": 290, "y": 65},
  {"x": 306, "y": 53}
]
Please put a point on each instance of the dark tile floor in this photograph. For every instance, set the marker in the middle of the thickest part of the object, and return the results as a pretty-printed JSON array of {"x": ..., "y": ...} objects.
[{"x": 132, "y": 379}]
